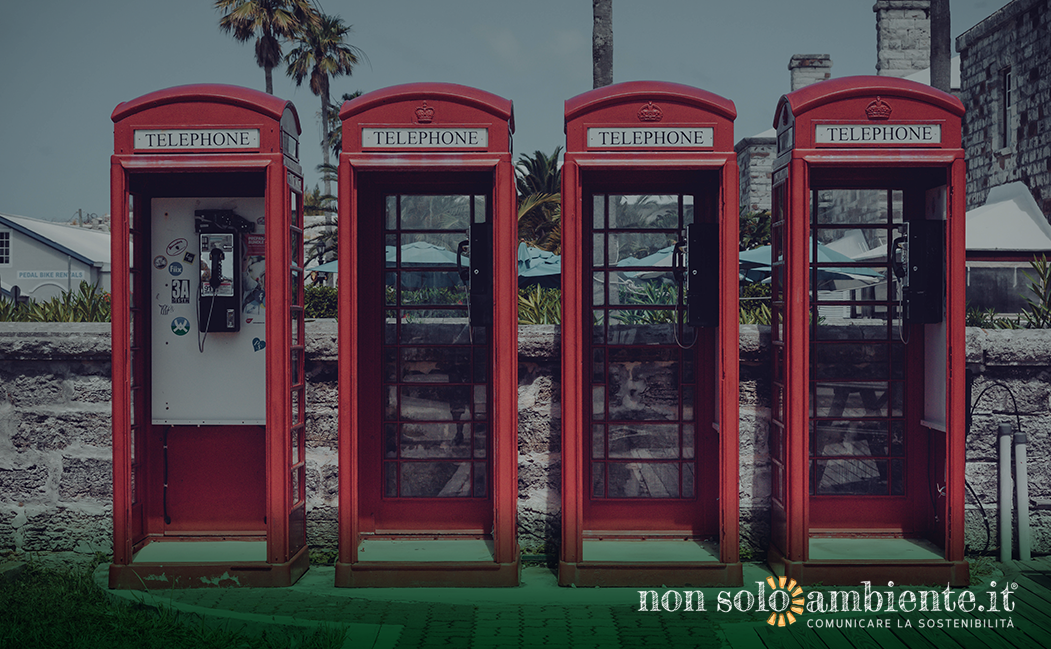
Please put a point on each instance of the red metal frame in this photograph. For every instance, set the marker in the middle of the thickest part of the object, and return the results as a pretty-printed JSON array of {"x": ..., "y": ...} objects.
[
  {"x": 805, "y": 163},
  {"x": 137, "y": 446},
  {"x": 646, "y": 169},
  {"x": 368, "y": 170}
]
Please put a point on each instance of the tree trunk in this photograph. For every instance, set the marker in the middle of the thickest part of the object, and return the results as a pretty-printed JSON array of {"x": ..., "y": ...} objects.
[
  {"x": 269, "y": 80},
  {"x": 324, "y": 141},
  {"x": 941, "y": 50},
  {"x": 602, "y": 43}
]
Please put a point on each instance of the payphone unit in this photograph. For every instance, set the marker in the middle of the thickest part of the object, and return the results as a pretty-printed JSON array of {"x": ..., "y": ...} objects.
[
  {"x": 649, "y": 338},
  {"x": 208, "y": 340},
  {"x": 866, "y": 439},
  {"x": 428, "y": 340}
]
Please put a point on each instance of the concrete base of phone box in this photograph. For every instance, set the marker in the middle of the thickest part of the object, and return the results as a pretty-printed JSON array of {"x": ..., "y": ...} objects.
[
  {"x": 225, "y": 574},
  {"x": 852, "y": 572}
]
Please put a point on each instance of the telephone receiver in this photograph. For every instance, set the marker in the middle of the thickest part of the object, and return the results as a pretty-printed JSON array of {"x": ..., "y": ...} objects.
[
  {"x": 900, "y": 256},
  {"x": 215, "y": 278},
  {"x": 219, "y": 293},
  {"x": 463, "y": 271}
]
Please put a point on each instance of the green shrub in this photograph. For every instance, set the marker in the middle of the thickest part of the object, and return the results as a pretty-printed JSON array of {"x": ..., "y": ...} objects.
[
  {"x": 88, "y": 303},
  {"x": 755, "y": 304},
  {"x": 539, "y": 305},
  {"x": 321, "y": 302},
  {"x": 1038, "y": 313}
]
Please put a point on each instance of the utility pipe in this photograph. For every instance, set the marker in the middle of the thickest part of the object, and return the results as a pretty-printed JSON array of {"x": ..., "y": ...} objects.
[
  {"x": 1025, "y": 552},
  {"x": 1005, "y": 493}
]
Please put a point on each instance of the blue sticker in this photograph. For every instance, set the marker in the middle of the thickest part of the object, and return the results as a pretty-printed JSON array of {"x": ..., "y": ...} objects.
[
  {"x": 175, "y": 269},
  {"x": 180, "y": 326},
  {"x": 258, "y": 344}
]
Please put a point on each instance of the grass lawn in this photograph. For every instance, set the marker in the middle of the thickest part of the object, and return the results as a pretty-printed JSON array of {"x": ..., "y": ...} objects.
[{"x": 44, "y": 608}]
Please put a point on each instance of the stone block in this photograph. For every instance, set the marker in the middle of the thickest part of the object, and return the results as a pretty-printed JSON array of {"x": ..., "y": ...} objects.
[
  {"x": 24, "y": 483},
  {"x": 86, "y": 478}
]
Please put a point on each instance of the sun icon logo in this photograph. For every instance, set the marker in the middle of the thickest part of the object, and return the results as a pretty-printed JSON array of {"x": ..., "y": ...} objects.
[{"x": 786, "y": 598}]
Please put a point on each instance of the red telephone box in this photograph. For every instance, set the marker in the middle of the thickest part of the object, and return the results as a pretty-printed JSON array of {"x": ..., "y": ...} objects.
[
  {"x": 649, "y": 338},
  {"x": 208, "y": 347},
  {"x": 428, "y": 339},
  {"x": 867, "y": 431}
]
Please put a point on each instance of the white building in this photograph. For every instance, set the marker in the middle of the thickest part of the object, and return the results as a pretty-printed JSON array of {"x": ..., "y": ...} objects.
[{"x": 44, "y": 259}]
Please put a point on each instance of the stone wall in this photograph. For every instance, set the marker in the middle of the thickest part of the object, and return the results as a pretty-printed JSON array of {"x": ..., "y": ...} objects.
[
  {"x": 1015, "y": 39},
  {"x": 55, "y": 431}
]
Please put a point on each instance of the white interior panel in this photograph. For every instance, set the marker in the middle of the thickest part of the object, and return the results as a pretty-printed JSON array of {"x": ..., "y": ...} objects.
[{"x": 226, "y": 382}]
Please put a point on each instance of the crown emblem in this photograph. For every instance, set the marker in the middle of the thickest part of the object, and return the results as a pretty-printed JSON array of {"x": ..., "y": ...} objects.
[
  {"x": 650, "y": 113},
  {"x": 878, "y": 109},
  {"x": 424, "y": 114}
]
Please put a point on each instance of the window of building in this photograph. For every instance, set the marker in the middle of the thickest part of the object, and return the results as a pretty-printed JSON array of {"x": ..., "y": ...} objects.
[
  {"x": 5, "y": 247},
  {"x": 1007, "y": 111}
]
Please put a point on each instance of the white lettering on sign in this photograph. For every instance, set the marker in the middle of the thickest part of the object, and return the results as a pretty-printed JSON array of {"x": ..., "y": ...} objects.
[
  {"x": 878, "y": 134},
  {"x": 425, "y": 138},
  {"x": 211, "y": 138},
  {"x": 648, "y": 137},
  {"x": 50, "y": 274}
]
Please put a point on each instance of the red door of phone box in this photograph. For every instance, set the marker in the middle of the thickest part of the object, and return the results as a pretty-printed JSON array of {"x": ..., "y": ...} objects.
[
  {"x": 867, "y": 431},
  {"x": 649, "y": 338},
  {"x": 208, "y": 347},
  {"x": 428, "y": 339}
]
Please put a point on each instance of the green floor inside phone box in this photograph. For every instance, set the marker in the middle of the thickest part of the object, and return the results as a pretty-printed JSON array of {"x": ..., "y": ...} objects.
[
  {"x": 651, "y": 550},
  {"x": 201, "y": 551},
  {"x": 872, "y": 549}
]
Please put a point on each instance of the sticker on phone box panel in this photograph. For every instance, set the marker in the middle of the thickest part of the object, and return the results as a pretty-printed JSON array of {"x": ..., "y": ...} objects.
[
  {"x": 180, "y": 291},
  {"x": 176, "y": 247},
  {"x": 180, "y": 326}
]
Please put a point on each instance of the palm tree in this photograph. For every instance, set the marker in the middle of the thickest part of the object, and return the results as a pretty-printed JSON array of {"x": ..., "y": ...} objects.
[
  {"x": 539, "y": 183},
  {"x": 321, "y": 53},
  {"x": 267, "y": 21},
  {"x": 539, "y": 174}
]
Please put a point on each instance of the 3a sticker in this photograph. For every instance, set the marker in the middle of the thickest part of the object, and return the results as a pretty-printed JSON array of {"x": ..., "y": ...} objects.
[
  {"x": 180, "y": 326},
  {"x": 175, "y": 269},
  {"x": 177, "y": 247},
  {"x": 159, "y": 262},
  {"x": 180, "y": 291}
]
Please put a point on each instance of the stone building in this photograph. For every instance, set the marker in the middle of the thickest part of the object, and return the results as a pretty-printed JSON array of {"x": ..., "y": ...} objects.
[
  {"x": 1005, "y": 74},
  {"x": 755, "y": 155},
  {"x": 903, "y": 49}
]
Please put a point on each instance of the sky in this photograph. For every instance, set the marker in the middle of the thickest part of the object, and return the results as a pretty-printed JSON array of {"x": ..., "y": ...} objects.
[{"x": 68, "y": 63}]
